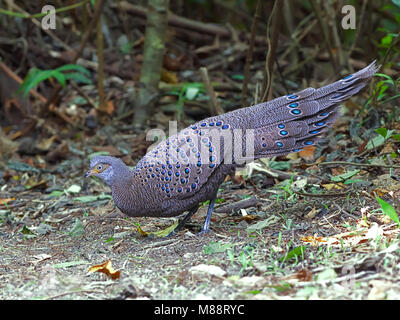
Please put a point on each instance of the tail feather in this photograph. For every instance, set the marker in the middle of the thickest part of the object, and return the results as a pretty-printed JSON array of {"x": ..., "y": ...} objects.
[{"x": 300, "y": 121}]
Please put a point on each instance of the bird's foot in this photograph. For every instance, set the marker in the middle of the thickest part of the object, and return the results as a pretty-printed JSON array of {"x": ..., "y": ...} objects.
[
  {"x": 170, "y": 235},
  {"x": 204, "y": 232}
]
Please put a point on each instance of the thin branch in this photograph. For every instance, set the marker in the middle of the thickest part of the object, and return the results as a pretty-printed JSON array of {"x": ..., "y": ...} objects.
[
  {"x": 249, "y": 57},
  {"x": 272, "y": 40},
  {"x": 318, "y": 13},
  {"x": 215, "y": 107},
  {"x": 100, "y": 69},
  {"x": 345, "y": 163}
]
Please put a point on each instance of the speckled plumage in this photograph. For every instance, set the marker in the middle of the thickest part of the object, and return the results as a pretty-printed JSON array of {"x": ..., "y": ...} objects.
[{"x": 188, "y": 167}]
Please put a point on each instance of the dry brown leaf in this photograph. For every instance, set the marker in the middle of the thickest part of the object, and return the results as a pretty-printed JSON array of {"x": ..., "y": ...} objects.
[
  {"x": 141, "y": 232},
  {"x": 388, "y": 148},
  {"x": 6, "y": 200},
  {"x": 380, "y": 192},
  {"x": 16, "y": 135},
  {"x": 313, "y": 212},
  {"x": 292, "y": 156},
  {"x": 32, "y": 183},
  {"x": 108, "y": 107},
  {"x": 249, "y": 217},
  {"x": 314, "y": 240},
  {"x": 169, "y": 77},
  {"x": 301, "y": 275},
  {"x": 159, "y": 234},
  {"x": 330, "y": 186},
  {"x": 107, "y": 269},
  {"x": 337, "y": 171},
  {"x": 238, "y": 178},
  {"x": 45, "y": 144},
  {"x": 307, "y": 153}
]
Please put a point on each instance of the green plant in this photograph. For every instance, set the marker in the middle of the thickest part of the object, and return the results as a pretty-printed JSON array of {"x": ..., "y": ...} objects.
[
  {"x": 245, "y": 257},
  {"x": 388, "y": 210},
  {"x": 345, "y": 177},
  {"x": 62, "y": 74},
  {"x": 383, "y": 135},
  {"x": 293, "y": 254},
  {"x": 383, "y": 85},
  {"x": 188, "y": 91}
]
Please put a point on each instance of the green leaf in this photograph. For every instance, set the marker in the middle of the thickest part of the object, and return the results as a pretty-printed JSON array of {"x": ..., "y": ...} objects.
[
  {"x": 375, "y": 142},
  {"x": 344, "y": 176},
  {"x": 261, "y": 224},
  {"x": 34, "y": 77},
  {"x": 21, "y": 166},
  {"x": 77, "y": 230},
  {"x": 216, "y": 247},
  {"x": 325, "y": 275},
  {"x": 238, "y": 77},
  {"x": 74, "y": 189},
  {"x": 396, "y": 2},
  {"x": 388, "y": 78},
  {"x": 26, "y": 230},
  {"x": 76, "y": 67},
  {"x": 191, "y": 92},
  {"x": 386, "y": 40},
  {"x": 78, "y": 77},
  {"x": 350, "y": 181},
  {"x": 298, "y": 251},
  {"x": 396, "y": 136},
  {"x": 165, "y": 232},
  {"x": 382, "y": 132},
  {"x": 281, "y": 287},
  {"x": 60, "y": 77},
  {"x": 379, "y": 140},
  {"x": 280, "y": 165},
  {"x": 86, "y": 199},
  {"x": 69, "y": 264},
  {"x": 388, "y": 210},
  {"x": 56, "y": 193}
]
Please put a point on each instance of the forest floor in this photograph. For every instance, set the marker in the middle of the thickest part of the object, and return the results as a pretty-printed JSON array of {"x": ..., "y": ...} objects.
[
  {"x": 310, "y": 226},
  {"x": 286, "y": 246}
]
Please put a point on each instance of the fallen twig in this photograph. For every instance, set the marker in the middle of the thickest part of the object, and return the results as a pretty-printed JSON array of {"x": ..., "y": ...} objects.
[
  {"x": 358, "y": 164},
  {"x": 242, "y": 204}
]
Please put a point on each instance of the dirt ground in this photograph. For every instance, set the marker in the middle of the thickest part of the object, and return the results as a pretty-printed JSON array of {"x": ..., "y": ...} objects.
[{"x": 286, "y": 246}]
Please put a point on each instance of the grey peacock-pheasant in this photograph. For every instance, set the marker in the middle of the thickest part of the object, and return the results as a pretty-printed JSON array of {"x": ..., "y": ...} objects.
[{"x": 188, "y": 167}]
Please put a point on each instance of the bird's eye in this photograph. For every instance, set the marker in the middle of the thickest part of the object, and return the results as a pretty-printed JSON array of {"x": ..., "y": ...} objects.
[{"x": 99, "y": 167}]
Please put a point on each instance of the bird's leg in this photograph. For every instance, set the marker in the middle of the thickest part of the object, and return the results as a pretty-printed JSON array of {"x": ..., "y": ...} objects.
[
  {"x": 183, "y": 221},
  {"x": 206, "y": 226}
]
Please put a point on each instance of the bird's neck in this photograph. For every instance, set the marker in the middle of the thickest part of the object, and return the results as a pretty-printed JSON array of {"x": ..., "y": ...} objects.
[
  {"x": 124, "y": 191},
  {"x": 122, "y": 176}
]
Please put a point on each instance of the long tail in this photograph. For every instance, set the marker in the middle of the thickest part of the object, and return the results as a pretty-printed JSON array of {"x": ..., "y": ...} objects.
[{"x": 296, "y": 120}]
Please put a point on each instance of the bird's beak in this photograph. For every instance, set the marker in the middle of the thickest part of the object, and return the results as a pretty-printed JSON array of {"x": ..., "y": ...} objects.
[{"x": 89, "y": 173}]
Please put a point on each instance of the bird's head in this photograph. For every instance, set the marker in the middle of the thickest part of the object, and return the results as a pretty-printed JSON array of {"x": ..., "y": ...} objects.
[{"x": 106, "y": 168}]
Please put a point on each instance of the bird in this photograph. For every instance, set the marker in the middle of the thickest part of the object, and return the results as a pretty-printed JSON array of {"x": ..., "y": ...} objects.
[{"x": 187, "y": 168}]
